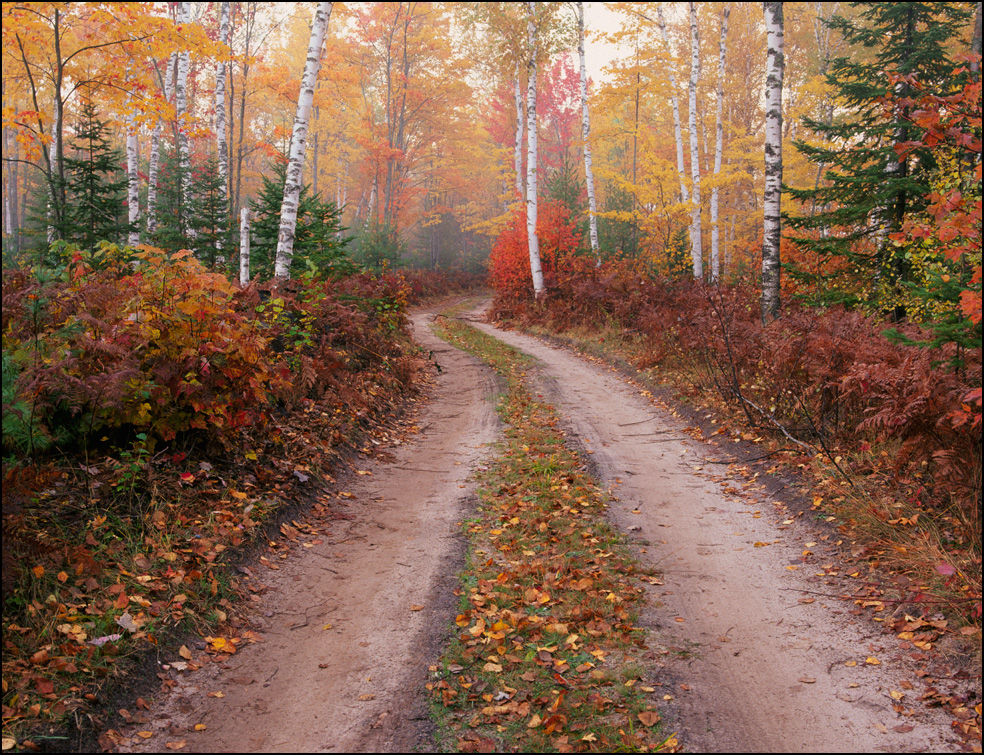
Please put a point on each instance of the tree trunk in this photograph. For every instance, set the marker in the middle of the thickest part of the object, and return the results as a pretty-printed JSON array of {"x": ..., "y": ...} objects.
[
  {"x": 155, "y": 151},
  {"x": 518, "y": 154},
  {"x": 531, "y": 157},
  {"x": 244, "y": 246},
  {"x": 221, "y": 139},
  {"x": 719, "y": 145},
  {"x": 696, "y": 248},
  {"x": 133, "y": 189},
  {"x": 298, "y": 143},
  {"x": 677, "y": 130},
  {"x": 181, "y": 98},
  {"x": 773, "y": 162},
  {"x": 585, "y": 135}
]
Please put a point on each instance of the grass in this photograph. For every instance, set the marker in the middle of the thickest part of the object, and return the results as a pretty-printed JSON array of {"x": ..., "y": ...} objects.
[{"x": 547, "y": 656}]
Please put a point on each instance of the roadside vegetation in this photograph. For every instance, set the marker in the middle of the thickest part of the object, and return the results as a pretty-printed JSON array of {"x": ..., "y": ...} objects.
[
  {"x": 548, "y": 656},
  {"x": 157, "y": 422}
]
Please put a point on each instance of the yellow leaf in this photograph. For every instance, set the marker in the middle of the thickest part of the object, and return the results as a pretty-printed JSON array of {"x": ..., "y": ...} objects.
[
  {"x": 364, "y": 698},
  {"x": 872, "y": 661},
  {"x": 145, "y": 734},
  {"x": 416, "y": 608},
  {"x": 176, "y": 745},
  {"x": 200, "y": 727},
  {"x": 534, "y": 722},
  {"x": 492, "y": 667},
  {"x": 896, "y": 695}
]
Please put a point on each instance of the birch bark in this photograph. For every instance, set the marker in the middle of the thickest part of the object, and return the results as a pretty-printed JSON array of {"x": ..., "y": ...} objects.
[
  {"x": 773, "y": 162},
  {"x": 244, "y": 246},
  {"x": 221, "y": 139},
  {"x": 531, "y": 156},
  {"x": 298, "y": 143},
  {"x": 677, "y": 130},
  {"x": 518, "y": 154},
  {"x": 718, "y": 147},
  {"x": 696, "y": 248},
  {"x": 133, "y": 190},
  {"x": 586, "y": 134},
  {"x": 181, "y": 98},
  {"x": 155, "y": 150}
]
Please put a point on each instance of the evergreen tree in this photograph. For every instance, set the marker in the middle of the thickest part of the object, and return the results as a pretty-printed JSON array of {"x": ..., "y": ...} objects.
[
  {"x": 173, "y": 218},
  {"x": 868, "y": 192},
  {"x": 318, "y": 241},
  {"x": 565, "y": 185},
  {"x": 209, "y": 215},
  {"x": 96, "y": 185}
]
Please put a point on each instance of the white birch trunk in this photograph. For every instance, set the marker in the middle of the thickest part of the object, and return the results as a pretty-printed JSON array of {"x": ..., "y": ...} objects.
[
  {"x": 531, "y": 156},
  {"x": 773, "y": 162},
  {"x": 53, "y": 167},
  {"x": 155, "y": 151},
  {"x": 221, "y": 140},
  {"x": 244, "y": 246},
  {"x": 696, "y": 247},
  {"x": 181, "y": 99},
  {"x": 518, "y": 153},
  {"x": 677, "y": 130},
  {"x": 133, "y": 190},
  {"x": 718, "y": 147},
  {"x": 298, "y": 143},
  {"x": 585, "y": 135}
]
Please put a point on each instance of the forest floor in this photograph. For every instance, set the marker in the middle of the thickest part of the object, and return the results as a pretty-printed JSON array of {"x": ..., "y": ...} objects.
[{"x": 752, "y": 647}]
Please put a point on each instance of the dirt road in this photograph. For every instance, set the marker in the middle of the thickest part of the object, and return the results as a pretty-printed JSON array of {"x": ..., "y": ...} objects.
[{"x": 748, "y": 666}]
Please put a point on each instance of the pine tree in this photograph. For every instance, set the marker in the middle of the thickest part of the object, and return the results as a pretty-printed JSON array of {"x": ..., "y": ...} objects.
[
  {"x": 173, "y": 213},
  {"x": 867, "y": 192},
  {"x": 209, "y": 217},
  {"x": 96, "y": 185},
  {"x": 318, "y": 240}
]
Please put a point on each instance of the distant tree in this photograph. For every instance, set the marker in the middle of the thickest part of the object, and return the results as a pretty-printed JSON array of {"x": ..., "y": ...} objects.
[{"x": 173, "y": 213}]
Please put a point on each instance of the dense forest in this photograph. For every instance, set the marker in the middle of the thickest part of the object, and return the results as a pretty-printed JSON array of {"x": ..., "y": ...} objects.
[{"x": 216, "y": 215}]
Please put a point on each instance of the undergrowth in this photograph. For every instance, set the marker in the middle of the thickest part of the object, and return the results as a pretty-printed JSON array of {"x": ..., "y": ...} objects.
[
  {"x": 891, "y": 431},
  {"x": 548, "y": 656},
  {"x": 157, "y": 420}
]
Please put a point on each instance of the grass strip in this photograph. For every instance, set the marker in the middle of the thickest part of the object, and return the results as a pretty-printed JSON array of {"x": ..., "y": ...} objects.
[{"x": 548, "y": 656}]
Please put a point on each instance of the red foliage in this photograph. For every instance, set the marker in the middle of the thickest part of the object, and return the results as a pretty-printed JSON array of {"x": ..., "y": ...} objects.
[{"x": 509, "y": 261}]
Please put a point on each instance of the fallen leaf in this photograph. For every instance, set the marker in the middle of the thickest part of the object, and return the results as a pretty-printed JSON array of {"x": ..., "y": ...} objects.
[
  {"x": 364, "y": 698},
  {"x": 219, "y": 694},
  {"x": 649, "y": 717},
  {"x": 416, "y": 608},
  {"x": 807, "y": 680},
  {"x": 850, "y": 663},
  {"x": 145, "y": 734},
  {"x": 176, "y": 745},
  {"x": 185, "y": 653},
  {"x": 200, "y": 727},
  {"x": 534, "y": 722},
  {"x": 872, "y": 661}
]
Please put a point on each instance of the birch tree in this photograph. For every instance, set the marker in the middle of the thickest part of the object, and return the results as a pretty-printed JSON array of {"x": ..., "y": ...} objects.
[
  {"x": 221, "y": 141},
  {"x": 531, "y": 156},
  {"x": 133, "y": 191},
  {"x": 677, "y": 130},
  {"x": 155, "y": 149},
  {"x": 586, "y": 134},
  {"x": 773, "y": 162},
  {"x": 518, "y": 153},
  {"x": 719, "y": 144},
  {"x": 244, "y": 246},
  {"x": 696, "y": 248},
  {"x": 298, "y": 143},
  {"x": 181, "y": 100}
]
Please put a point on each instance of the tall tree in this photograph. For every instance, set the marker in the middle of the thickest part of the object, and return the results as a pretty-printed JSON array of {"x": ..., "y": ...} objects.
[
  {"x": 586, "y": 134},
  {"x": 677, "y": 129},
  {"x": 719, "y": 144},
  {"x": 696, "y": 244},
  {"x": 221, "y": 138},
  {"x": 181, "y": 97},
  {"x": 867, "y": 191},
  {"x": 539, "y": 288},
  {"x": 775, "y": 67},
  {"x": 298, "y": 143}
]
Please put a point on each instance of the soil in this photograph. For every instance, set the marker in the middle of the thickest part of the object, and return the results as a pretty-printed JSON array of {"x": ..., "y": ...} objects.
[{"x": 745, "y": 664}]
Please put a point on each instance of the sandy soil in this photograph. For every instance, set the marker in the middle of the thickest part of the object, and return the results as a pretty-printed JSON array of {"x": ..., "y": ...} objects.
[
  {"x": 747, "y": 666},
  {"x": 358, "y": 686}
]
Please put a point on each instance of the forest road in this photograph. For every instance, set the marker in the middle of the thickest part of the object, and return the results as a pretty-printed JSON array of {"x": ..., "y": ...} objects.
[
  {"x": 383, "y": 580},
  {"x": 749, "y": 667}
]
